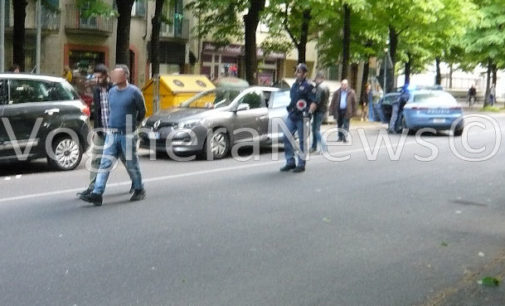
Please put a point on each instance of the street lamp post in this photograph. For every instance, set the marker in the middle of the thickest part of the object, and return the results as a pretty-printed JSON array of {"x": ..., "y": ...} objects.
[
  {"x": 2, "y": 35},
  {"x": 385, "y": 69},
  {"x": 39, "y": 36}
]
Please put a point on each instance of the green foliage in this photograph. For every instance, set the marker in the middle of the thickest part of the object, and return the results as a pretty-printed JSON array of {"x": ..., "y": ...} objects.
[
  {"x": 90, "y": 8},
  {"x": 486, "y": 40},
  {"x": 219, "y": 19}
]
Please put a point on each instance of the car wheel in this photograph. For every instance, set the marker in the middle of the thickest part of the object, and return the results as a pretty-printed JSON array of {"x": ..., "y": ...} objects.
[
  {"x": 217, "y": 145},
  {"x": 458, "y": 132},
  {"x": 67, "y": 154},
  {"x": 405, "y": 128}
]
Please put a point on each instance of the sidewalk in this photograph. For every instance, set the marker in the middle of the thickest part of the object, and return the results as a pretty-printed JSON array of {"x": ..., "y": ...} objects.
[{"x": 469, "y": 292}]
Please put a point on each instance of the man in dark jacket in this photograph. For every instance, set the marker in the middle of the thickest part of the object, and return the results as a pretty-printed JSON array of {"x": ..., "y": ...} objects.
[
  {"x": 318, "y": 110},
  {"x": 100, "y": 123},
  {"x": 302, "y": 96},
  {"x": 343, "y": 108}
]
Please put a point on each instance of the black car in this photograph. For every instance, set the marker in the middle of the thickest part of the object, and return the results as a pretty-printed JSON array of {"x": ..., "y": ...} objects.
[{"x": 42, "y": 117}]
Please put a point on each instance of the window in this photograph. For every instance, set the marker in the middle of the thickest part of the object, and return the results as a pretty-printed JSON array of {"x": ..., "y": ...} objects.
[
  {"x": 139, "y": 8},
  {"x": 27, "y": 91},
  {"x": 87, "y": 22},
  {"x": 254, "y": 100},
  {"x": 280, "y": 99},
  {"x": 4, "y": 93},
  {"x": 389, "y": 99},
  {"x": 7, "y": 13}
]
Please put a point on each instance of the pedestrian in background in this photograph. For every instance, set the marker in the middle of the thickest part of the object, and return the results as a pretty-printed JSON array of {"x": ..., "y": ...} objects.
[
  {"x": 377, "y": 94},
  {"x": 364, "y": 102},
  {"x": 302, "y": 95},
  {"x": 318, "y": 110},
  {"x": 343, "y": 108},
  {"x": 492, "y": 95},
  {"x": 127, "y": 109},
  {"x": 472, "y": 95},
  {"x": 67, "y": 74},
  {"x": 15, "y": 68}
]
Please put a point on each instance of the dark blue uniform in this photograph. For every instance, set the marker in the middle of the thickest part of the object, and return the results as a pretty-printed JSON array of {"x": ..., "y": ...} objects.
[
  {"x": 294, "y": 121},
  {"x": 300, "y": 91}
]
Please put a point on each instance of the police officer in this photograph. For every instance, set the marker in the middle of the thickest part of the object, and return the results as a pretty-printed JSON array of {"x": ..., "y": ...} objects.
[
  {"x": 397, "y": 109},
  {"x": 302, "y": 95}
]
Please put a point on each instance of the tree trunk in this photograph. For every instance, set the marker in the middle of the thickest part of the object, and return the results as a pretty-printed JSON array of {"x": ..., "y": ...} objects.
[
  {"x": 251, "y": 21},
  {"x": 438, "y": 77},
  {"x": 488, "y": 81},
  {"x": 393, "y": 45},
  {"x": 364, "y": 80},
  {"x": 124, "y": 8},
  {"x": 408, "y": 67},
  {"x": 346, "y": 42},
  {"x": 450, "y": 75},
  {"x": 155, "y": 38},
  {"x": 18, "y": 33},
  {"x": 495, "y": 76},
  {"x": 304, "y": 34}
]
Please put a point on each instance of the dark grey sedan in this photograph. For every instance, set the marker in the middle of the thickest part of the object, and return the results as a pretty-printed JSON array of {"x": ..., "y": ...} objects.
[{"x": 211, "y": 122}]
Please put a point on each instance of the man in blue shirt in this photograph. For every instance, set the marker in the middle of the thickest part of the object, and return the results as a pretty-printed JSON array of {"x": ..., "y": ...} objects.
[
  {"x": 302, "y": 95},
  {"x": 126, "y": 110}
]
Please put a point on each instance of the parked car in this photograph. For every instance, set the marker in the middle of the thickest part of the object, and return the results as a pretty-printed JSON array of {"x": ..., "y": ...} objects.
[
  {"x": 42, "y": 116},
  {"x": 217, "y": 117},
  {"x": 435, "y": 109}
]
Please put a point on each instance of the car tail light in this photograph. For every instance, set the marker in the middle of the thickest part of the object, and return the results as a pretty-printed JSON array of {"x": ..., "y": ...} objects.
[{"x": 85, "y": 110}]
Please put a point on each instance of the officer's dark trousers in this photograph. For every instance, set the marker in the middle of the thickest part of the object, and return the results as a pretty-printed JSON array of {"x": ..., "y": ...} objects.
[{"x": 289, "y": 152}]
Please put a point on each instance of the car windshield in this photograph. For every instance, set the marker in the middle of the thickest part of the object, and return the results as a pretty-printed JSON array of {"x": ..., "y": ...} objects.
[
  {"x": 215, "y": 98},
  {"x": 280, "y": 99},
  {"x": 438, "y": 97}
]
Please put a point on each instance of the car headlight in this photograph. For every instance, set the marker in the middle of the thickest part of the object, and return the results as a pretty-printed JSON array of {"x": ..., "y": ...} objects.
[
  {"x": 189, "y": 124},
  {"x": 143, "y": 124}
]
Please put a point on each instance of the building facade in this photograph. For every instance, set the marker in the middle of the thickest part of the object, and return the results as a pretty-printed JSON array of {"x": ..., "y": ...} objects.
[{"x": 71, "y": 39}]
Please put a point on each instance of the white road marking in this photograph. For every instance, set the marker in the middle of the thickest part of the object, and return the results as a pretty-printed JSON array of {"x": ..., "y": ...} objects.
[{"x": 176, "y": 176}]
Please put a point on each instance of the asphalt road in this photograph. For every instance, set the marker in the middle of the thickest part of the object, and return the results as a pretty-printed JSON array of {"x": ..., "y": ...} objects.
[{"x": 365, "y": 231}]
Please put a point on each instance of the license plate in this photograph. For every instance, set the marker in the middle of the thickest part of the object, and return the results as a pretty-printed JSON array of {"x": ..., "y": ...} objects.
[
  {"x": 154, "y": 135},
  {"x": 439, "y": 120}
]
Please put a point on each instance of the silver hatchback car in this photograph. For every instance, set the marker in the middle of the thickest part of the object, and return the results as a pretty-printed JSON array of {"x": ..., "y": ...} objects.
[{"x": 211, "y": 122}]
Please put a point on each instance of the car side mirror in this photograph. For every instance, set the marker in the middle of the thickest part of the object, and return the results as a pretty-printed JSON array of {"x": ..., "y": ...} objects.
[{"x": 243, "y": 107}]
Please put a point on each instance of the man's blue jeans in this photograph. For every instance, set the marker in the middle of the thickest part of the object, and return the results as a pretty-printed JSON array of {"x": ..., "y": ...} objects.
[
  {"x": 317, "y": 119},
  {"x": 393, "y": 124},
  {"x": 294, "y": 126},
  {"x": 116, "y": 145}
]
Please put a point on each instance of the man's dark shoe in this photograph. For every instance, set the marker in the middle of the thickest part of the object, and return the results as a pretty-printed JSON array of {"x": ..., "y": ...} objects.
[
  {"x": 299, "y": 169},
  {"x": 85, "y": 192},
  {"x": 138, "y": 195},
  {"x": 287, "y": 168},
  {"x": 94, "y": 198}
]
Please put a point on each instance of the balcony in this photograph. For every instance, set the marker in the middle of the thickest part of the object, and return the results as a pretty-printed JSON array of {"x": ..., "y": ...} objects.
[
  {"x": 77, "y": 24},
  {"x": 178, "y": 29},
  {"x": 50, "y": 23}
]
